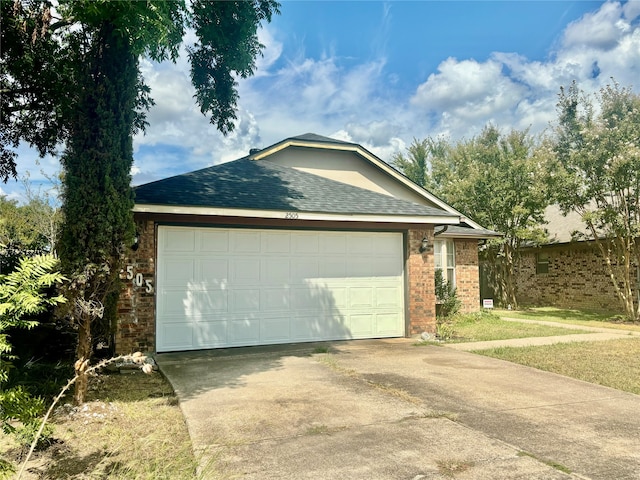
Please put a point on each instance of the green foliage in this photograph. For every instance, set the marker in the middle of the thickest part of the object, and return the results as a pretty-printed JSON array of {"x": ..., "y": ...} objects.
[
  {"x": 27, "y": 229},
  {"x": 448, "y": 302},
  {"x": 416, "y": 165},
  {"x": 22, "y": 296},
  {"x": 596, "y": 173},
  {"x": 445, "y": 330},
  {"x": 497, "y": 180},
  {"x": 7, "y": 469},
  {"x": 97, "y": 196},
  {"x": 27, "y": 433},
  {"x": 43, "y": 59},
  {"x": 95, "y": 99}
]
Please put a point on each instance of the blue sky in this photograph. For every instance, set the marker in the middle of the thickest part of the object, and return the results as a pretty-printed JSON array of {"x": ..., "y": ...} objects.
[{"x": 383, "y": 73}]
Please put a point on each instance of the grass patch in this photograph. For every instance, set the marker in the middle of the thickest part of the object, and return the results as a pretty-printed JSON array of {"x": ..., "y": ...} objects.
[
  {"x": 130, "y": 428},
  {"x": 484, "y": 326},
  {"x": 613, "y": 363},
  {"x": 551, "y": 463},
  {"x": 318, "y": 430},
  {"x": 450, "y": 467},
  {"x": 321, "y": 349},
  {"x": 572, "y": 317}
]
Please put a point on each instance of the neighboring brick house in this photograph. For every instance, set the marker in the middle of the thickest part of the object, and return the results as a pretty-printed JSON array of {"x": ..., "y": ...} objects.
[
  {"x": 309, "y": 239},
  {"x": 566, "y": 273}
]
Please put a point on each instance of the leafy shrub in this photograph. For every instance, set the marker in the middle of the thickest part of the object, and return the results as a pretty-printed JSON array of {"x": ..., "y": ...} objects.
[
  {"x": 448, "y": 302},
  {"x": 445, "y": 330},
  {"x": 22, "y": 298}
]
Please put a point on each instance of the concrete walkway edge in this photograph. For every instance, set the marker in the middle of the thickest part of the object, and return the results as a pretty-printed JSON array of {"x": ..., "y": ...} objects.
[{"x": 596, "y": 334}]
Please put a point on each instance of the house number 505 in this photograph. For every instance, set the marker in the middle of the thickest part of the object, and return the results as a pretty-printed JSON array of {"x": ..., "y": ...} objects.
[{"x": 138, "y": 279}]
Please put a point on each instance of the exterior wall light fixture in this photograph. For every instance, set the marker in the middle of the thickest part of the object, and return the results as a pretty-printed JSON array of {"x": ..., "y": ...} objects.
[{"x": 424, "y": 245}]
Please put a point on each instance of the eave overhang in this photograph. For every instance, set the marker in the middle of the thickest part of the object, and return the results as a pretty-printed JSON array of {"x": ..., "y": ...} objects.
[{"x": 294, "y": 215}]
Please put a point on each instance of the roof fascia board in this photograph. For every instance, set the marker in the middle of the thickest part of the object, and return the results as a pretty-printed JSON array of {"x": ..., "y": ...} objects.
[
  {"x": 372, "y": 159},
  {"x": 469, "y": 235},
  {"x": 292, "y": 215}
]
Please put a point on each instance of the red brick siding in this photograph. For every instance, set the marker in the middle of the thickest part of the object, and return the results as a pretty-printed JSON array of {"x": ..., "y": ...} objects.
[
  {"x": 577, "y": 278},
  {"x": 421, "y": 292},
  {"x": 136, "y": 309},
  {"x": 467, "y": 274}
]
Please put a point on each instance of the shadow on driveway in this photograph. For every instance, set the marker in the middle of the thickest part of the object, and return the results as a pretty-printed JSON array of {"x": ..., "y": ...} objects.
[{"x": 379, "y": 409}]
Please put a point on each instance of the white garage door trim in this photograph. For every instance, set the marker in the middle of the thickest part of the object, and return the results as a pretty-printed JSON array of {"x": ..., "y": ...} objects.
[{"x": 228, "y": 287}]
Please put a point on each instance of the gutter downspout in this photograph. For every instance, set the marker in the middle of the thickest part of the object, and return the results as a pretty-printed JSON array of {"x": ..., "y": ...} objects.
[{"x": 444, "y": 229}]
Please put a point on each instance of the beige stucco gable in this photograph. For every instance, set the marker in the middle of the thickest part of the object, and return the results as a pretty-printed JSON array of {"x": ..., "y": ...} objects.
[
  {"x": 351, "y": 164},
  {"x": 346, "y": 167}
]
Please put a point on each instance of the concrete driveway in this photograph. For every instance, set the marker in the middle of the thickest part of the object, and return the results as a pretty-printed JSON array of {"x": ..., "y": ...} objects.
[{"x": 386, "y": 409}]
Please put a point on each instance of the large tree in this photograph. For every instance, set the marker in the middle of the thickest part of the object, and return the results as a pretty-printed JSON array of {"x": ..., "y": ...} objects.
[
  {"x": 71, "y": 75},
  {"x": 497, "y": 180},
  {"x": 597, "y": 175}
]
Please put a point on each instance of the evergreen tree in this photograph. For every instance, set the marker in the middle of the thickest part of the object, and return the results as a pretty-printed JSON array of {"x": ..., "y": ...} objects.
[{"x": 81, "y": 62}]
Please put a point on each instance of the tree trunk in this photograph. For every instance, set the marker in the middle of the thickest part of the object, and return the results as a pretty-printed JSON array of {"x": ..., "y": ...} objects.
[{"x": 83, "y": 354}]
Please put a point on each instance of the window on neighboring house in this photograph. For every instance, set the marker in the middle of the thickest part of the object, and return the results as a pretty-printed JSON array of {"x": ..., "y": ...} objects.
[
  {"x": 445, "y": 258},
  {"x": 542, "y": 263}
]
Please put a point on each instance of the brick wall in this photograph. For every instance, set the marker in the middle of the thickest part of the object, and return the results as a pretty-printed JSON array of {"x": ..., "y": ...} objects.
[
  {"x": 136, "y": 309},
  {"x": 577, "y": 278},
  {"x": 467, "y": 274},
  {"x": 421, "y": 293}
]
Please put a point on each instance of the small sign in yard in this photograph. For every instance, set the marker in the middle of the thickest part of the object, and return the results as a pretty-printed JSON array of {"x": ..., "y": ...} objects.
[{"x": 487, "y": 303}]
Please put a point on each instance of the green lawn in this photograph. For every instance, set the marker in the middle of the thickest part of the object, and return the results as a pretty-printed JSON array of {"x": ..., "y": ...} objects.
[
  {"x": 483, "y": 327},
  {"x": 613, "y": 363},
  {"x": 574, "y": 317}
]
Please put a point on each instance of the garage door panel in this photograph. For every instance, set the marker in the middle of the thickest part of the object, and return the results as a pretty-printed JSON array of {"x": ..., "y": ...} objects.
[
  {"x": 171, "y": 302},
  {"x": 244, "y": 271},
  {"x": 245, "y": 241},
  {"x": 202, "y": 303},
  {"x": 214, "y": 241},
  {"x": 333, "y": 269},
  {"x": 303, "y": 269},
  {"x": 277, "y": 242},
  {"x": 244, "y": 332},
  {"x": 275, "y": 329},
  {"x": 178, "y": 273},
  {"x": 333, "y": 243},
  {"x": 210, "y": 334},
  {"x": 310, "y": 327},
  {"x": 388, "y": 323},
  {"x": 232, "y": 287},
  {"x": 214, "y": 272},
  {"x": 356, "y": 244},
  {"x": 274, "y": 299},
  {"x": 244, "y": 300},
  {"x": 383, "y": 244},
  {"x": 176, "y": 336},
  {"x": 386, "y": 267},
  {"x": 360, "y": 267},
  {"x": 362, "y": 325},
  {"x": 276, "y": 270},
  {"x": 388, "y": 297},
  {"x": 304, "y": 243},
  {"x": 179, "y": 241},
  {"x": 360, "y": 297}
]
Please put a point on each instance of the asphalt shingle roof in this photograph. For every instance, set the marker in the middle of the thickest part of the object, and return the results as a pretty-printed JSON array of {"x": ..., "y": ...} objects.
[{"x": 263, "y": 185}]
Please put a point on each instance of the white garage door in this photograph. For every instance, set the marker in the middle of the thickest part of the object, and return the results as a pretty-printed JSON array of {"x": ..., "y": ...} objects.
[{"x": 236, "y": 287}]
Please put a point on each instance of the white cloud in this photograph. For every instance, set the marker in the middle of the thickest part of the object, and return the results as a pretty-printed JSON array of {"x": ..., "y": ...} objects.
[
  {"x": 600, "y": 30},
  {"x": 513, "y": 92}
]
